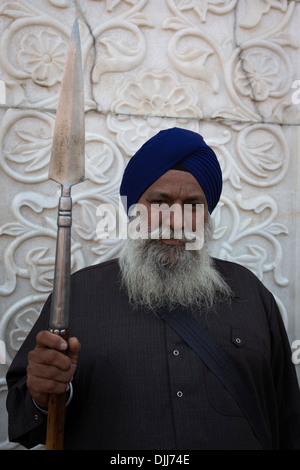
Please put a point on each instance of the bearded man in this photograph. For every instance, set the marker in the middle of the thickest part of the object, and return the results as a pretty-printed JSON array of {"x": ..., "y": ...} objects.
[{"x": 135, "y": 380}]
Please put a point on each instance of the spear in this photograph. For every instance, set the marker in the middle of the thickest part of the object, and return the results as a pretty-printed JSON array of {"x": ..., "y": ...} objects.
[{"x": 67, "y": 169}]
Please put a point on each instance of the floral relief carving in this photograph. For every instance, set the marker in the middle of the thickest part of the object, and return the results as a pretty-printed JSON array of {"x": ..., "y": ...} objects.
[
  {"x": 258, "y": 74},
  {"x": 26, "y": 140},
  {"x": 260, "y": 157},
  {"x": 156, "y": 93},
  {"x": 192, "y": 60},
  {"x": 30, "y": 132},
  {"x": 17, "y": 321},
  {"x": 257, "y": 155},
  {"x": 155, "y": 96},
  {"x": 23, "y": 322},
  {"x": 42, "y": 56},
  {"x": 246, "y": 232},
  {"x": 119, "y": 53},
  {"x": 252, "y": 240},
  {"x": 111, "y": 4},
  {"x": 60, "y": 3},
  {"x": 255, "y": 9},
  {"x": 37, "y": 264},
  {"x": 201, "y": 8},
  {"x": 264, "y": 152},
  {"x": 40, "y": 50},
  {"x": 256, "y": 67},
  {"x": 117, "y": 42}
]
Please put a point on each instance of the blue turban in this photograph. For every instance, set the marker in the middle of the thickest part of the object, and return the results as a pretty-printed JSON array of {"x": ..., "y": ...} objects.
[{"x": 161, "y": 153}]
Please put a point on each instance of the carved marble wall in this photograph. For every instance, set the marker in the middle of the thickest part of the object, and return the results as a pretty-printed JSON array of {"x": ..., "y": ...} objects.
[{"x": 228, "y": 69}]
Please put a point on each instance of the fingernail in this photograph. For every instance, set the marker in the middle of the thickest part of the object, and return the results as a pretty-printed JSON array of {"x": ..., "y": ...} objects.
[{"x": 63, "y": 346}]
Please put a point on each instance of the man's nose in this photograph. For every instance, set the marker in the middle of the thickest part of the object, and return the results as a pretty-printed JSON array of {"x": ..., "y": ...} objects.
[{"x": 177, "y": 217}]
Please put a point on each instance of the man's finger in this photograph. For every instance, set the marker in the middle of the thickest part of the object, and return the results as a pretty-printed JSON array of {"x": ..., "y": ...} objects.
[
  {"x": 38, "y": 386},
  {"x": 50, "y": 372},
  {"x": 46, "y": 339},
  {"x": 74, "y": 348},
  {"x": 50, "y": 357}
]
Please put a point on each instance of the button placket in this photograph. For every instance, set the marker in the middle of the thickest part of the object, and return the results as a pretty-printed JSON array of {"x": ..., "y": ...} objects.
[{"x": 179, "y": 393}]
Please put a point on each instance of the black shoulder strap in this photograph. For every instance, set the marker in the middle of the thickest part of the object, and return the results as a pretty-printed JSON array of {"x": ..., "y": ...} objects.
[{"x": 220, "y": 364}]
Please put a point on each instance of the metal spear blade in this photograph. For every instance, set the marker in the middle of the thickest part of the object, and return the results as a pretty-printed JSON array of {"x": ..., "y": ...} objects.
[
  {"x": 67, "y": 157},
  {"x": 67, "y": 168}
]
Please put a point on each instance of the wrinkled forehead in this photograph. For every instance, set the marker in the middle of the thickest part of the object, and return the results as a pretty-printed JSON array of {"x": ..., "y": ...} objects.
[{"x": 175, "y": 185}]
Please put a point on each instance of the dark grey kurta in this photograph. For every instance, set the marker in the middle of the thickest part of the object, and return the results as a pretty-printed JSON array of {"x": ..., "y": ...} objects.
[{"x": 139, "y": 386}]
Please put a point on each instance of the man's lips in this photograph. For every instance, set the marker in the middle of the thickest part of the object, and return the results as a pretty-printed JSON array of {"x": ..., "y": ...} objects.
[{"x": 172, "y": 241}]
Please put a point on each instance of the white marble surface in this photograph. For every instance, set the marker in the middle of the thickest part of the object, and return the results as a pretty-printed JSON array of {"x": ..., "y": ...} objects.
[{"x": 227, "y": 69}]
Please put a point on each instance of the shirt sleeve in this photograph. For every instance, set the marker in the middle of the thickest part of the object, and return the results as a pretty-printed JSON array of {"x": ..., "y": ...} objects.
[
  {"x": 26, "y": 423},
  {"x": 285, "y": 383}
]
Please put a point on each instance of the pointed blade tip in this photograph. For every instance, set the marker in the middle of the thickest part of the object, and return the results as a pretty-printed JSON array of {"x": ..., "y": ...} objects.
[
  {"x": 67, "y": 155},
  {"x": 75, "y": 34}
]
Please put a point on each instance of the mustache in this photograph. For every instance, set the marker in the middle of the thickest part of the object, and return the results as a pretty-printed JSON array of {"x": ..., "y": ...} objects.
[
  {"x": 160, "y": 233},
  {"x": 191, "y": 240}
]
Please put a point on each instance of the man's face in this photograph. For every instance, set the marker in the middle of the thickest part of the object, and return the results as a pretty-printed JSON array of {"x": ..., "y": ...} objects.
[
  {"x": 181, "y": 191},
  {"x": 162, "y": 272}
]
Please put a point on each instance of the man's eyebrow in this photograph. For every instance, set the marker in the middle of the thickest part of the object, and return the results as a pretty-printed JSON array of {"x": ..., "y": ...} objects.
[
  {"x": 197, "y": 198},
  {"x": 159, "y": 194},
  {"x": 191, "y": 198}
]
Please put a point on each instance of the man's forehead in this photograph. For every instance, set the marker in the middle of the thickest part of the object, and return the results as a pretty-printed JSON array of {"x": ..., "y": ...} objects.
[{"x": 174, "y": 181}]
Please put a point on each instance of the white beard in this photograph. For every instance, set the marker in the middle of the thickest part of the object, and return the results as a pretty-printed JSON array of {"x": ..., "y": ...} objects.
[{"x": 157, "y": 275}]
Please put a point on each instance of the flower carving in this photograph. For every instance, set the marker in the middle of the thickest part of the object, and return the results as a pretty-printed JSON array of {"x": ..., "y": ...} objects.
[
  {"x": 156, "y": 94},
  {"x": 159, "y": 97},
  {"x": 258, "y": 75},
  {"x": 42, "y": 55}
]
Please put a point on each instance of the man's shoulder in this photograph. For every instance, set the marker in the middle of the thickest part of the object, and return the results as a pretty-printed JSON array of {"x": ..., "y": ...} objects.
[
  {"x": 236, "y": 272},
  {"x": 106, "y": 268},
  {"x": 242, "y": 280},
  {"x": 231, "y": 266}
]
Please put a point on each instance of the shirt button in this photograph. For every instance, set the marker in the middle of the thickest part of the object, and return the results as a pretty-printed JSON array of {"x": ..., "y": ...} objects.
[
  {"x": 175, "y": 352},
  {"x": 238, "y": 340},
  {"x": 179, "y": 394},
  {"x": 36, "y": 417}
]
